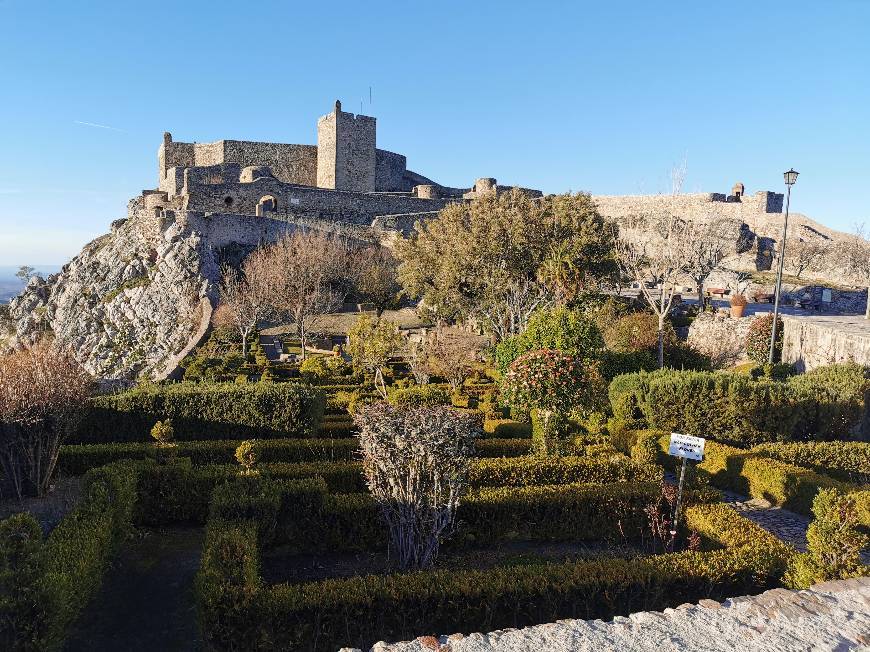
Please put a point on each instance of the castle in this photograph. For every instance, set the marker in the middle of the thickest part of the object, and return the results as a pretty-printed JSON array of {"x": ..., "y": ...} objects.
[{"x": 345, "y": 178}]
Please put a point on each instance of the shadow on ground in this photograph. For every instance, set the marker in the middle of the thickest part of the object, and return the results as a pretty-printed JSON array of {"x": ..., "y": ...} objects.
[{"x": 147, "y": 601}]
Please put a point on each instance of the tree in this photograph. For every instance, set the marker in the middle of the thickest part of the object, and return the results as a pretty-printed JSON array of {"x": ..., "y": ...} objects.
[
  {"x": 371, "y": 344},
  {"x": 245, "y": 296},
  {"x": 651, "y": 249},
  {"x": 25, "y": 272},
  {"x": 856, "y": 254},
  {"x": 377, "y": 280},
  {"x": 804, "y": 254},
  {"x": 42, "y": 395},
  {"x": 485, "y": 260},
  {"x": 452, "y": 353},
  {"x": 705, "y": 247},
  {"x": 308, "y": 276},
  {"x": 550, "y": 384},
  {"x": 416, "y": 462},
  {"x": 568, "y": 330}
]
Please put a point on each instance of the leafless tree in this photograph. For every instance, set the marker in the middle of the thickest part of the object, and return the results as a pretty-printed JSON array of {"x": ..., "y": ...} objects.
[
  {"x": 511, "y": 304},
  {"x": 452, "y": 353},
  {"x": 418, "y": 363},
  {"x": 651, "y": 249},
  {"x": 737, "y": 281},
  {"x": 856, "y": 254},
  {"x": 244, "y": 296},
  {"x": 376, "y": 277},
  {"x": 705, "y": 247},
  {"x": 804, "y": 254},
  {"x": 308, "y": 276},
  {"x": 42, "y": 394}
]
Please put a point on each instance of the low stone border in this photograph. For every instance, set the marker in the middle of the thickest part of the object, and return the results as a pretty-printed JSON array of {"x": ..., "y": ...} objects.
[{"x": 829, "y": 616}]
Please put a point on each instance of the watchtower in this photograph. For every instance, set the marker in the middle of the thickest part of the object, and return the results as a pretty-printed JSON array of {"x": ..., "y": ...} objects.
[{"x": 346, "y": 151}]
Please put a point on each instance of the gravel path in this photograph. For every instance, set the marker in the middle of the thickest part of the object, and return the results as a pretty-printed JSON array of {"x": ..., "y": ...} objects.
[{"x": 834, "y": 616}]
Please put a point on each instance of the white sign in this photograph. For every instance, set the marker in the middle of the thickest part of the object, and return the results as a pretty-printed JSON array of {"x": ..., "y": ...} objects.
[{"x": 686, "y": 446}]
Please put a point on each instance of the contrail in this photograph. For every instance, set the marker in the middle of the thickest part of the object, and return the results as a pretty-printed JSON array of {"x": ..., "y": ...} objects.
[{"x": 94, "y": 124}]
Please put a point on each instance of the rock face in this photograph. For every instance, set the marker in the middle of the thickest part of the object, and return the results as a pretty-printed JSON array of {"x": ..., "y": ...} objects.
[{"x": 128, "y": 303}]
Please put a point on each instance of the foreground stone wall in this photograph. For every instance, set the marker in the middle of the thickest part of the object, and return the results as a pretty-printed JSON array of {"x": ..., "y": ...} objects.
[{"x": 829, "y": 616}]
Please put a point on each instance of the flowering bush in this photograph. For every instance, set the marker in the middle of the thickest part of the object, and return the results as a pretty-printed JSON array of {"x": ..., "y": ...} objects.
[
  {"x": 550, "y": 380},
  {"x": 758, "y": 339}
]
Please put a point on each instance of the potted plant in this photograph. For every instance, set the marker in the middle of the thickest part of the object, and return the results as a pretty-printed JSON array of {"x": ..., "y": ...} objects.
[{"x": 738, "y": 305}]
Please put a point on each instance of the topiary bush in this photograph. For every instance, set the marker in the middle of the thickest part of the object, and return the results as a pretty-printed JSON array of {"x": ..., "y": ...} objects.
[
  {"x": 758, "y": 339},
  {"x": 834, "y": 544},
  {"x": 551, "y": 383},
  {"x": 419, "y": 396},
  {"x": 314, "y": 369}
]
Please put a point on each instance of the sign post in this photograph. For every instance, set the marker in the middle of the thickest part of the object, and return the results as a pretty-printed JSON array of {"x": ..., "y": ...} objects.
[{"x": 688, "y": 448}]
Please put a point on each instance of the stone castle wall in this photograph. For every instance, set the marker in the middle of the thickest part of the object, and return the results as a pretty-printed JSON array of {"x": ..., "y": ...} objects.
[{"x": 357, "y": 207}]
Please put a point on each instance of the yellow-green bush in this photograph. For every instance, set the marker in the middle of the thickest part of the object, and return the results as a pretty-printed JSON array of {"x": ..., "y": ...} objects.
[{"x": 848, "y": 461}]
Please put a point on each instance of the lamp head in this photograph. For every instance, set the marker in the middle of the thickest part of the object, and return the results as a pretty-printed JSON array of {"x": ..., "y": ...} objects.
[{"x": 790, "y": 177}]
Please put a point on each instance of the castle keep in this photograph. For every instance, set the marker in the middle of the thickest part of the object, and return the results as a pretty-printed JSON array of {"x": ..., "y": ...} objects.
[{"x": 345, "y": 178}]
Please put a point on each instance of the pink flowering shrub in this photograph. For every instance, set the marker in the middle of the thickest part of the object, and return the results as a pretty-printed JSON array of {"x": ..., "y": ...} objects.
[{"x": 550, "y": 380}]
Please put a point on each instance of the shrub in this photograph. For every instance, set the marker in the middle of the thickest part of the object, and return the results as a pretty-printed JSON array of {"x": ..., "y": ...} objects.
[
  {"x": 777, "y": 371},
  {"x": 832, "y": 400},
  {"x": 638, "y": 331},
  {"x": 758, "y": 339},
  {"x": 225, "y": 411},
  {"x": 162, "y": 432},
  {"x": 562, "y": 329},
  {"x": 683, "y": 356},
  {"x": 42, "y": 390},
  {"x": 848, "y": 461},
  {"x": 314, "y": 369},
  {"x": 645, "y": 449},
  {"x": 419, "y": 396},
  {"x": 615, "y": 363},
  {"x": 247, "y": 455},
  {"x": 507, "y": 429},
  {"x": 834, "y": 544},
  {"x": 371, "y": 343},
  {"x": 416, "y": 463}
]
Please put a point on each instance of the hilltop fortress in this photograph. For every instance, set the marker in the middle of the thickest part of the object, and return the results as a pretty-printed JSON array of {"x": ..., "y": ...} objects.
[
  {"x": 136, "y": 300},
  {"x": 344, "y": 179}
]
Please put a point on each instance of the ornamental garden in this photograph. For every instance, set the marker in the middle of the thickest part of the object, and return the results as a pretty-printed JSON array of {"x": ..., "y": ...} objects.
[{"x": 504, "y": 465}]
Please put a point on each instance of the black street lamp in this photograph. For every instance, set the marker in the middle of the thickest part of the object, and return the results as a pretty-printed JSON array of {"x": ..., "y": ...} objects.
[{"x": 790, "y": 177}]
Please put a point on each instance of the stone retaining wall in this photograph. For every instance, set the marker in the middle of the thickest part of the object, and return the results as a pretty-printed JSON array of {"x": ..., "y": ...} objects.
[{"x": 811, "y": 343}]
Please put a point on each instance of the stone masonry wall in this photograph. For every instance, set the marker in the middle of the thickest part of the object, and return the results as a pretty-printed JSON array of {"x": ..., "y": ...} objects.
[
  {"x": 811, "y": 343},
  {"x": 314, "y": 202},
  {"x": 346, "y": 157}
]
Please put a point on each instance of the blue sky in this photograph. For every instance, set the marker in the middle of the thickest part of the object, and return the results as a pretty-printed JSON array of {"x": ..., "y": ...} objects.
[{"x": 604, "y": 97}]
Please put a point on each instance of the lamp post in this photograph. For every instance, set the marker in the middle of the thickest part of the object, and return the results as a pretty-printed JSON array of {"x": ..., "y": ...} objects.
[{"x": 790, "y": 177}]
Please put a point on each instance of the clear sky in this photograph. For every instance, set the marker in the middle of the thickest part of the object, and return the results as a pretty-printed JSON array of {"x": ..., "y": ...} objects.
[{"x": 598, "y": 96}]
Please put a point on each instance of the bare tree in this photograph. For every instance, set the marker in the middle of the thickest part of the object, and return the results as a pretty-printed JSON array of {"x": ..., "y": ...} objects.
[
  {"x": 42, "y": 395},
  {"x": 418, "y": 363},
  {"x": 804, "y": 254},
  {"x": 244, "y": 296},
  {"x": 308, "y": 276},
  {"x": 452, "y": 353},
  {"x": 705, "y": 247},
  {"x": 651, "y": 249},
  {"x": 376, "y": 276},
  {"x": 856, "y": 254},
  {"x": 510, "y": 304}
]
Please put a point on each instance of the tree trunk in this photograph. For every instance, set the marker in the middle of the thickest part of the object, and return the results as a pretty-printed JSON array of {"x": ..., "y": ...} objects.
[
  {"x": 867, "y": 310},
  {"x": 661, "y": 342},
  {"x": 302, "y": 337},
  {"x": 700, "y": 297}
]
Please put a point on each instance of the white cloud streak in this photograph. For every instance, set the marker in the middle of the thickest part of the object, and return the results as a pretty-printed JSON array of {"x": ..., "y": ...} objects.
[{"x": 98, "y": 126}]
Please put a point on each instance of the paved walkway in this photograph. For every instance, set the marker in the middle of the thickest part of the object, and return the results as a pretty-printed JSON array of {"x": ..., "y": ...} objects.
[
  {"x": 783, "y": 524},
  {"x": 834, "y": 616}
]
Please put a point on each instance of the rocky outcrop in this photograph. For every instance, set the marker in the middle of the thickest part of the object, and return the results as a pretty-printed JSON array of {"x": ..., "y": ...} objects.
[{"x": 128, "y": 303}]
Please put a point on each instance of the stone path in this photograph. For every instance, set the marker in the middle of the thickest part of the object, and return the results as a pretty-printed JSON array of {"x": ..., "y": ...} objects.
[
  {"x": 783, "y": 524},
  {"x": 834, "y": 616}
]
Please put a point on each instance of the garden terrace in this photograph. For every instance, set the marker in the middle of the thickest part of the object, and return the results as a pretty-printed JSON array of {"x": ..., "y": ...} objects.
[{"x": 239, "y": 610}]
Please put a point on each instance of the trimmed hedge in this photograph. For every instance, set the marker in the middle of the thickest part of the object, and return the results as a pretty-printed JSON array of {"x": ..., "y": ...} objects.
[
  {"x": 77, "y": 459},
  {"x": 178, "y": 492},
  {"x": 751, "y": 474},
  {"x": 848, "y": 461},
  {"x": 238, "y": 612},
  {"x": 735, "y": 409},
  {"x": 420, "y": 395},
  {"x": 44, "y": 584},
  {"x": 212, "y": 411},
  {"x": 507, "y": 429}
]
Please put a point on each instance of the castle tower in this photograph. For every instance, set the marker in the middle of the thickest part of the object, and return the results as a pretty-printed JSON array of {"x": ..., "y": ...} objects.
[{"x": 346, "y": 151}]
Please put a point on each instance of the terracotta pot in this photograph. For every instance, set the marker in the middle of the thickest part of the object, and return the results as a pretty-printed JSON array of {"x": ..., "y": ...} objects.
[{"x": 737, "y": 311}]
